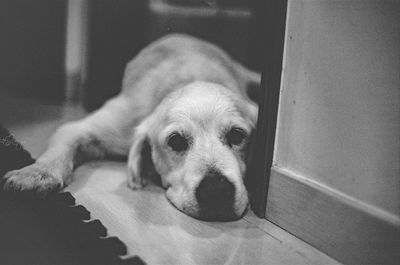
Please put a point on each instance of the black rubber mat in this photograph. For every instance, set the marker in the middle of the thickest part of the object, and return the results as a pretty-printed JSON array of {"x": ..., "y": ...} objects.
[{"x": 51, "y": 230}]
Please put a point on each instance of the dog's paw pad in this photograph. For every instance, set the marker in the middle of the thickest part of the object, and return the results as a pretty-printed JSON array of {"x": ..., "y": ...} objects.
[{"x": 35, "y": 178}]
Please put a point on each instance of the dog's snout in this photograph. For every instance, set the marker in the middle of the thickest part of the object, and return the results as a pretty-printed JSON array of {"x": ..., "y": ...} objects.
[{"x": 215, "y": 196}]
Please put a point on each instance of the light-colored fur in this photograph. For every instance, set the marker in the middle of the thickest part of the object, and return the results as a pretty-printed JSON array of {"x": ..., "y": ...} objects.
[{"x": 176, "y": 84}]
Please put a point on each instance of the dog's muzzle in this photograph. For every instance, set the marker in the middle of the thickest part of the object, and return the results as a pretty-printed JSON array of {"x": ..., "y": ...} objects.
[{"x": 216, "y": 196}]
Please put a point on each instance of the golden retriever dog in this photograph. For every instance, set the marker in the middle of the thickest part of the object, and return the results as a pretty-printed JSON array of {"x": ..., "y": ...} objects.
[{"x": 183, "y": 109}]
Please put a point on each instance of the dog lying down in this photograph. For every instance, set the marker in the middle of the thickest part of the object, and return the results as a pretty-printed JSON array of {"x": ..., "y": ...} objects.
[{"x": 184, "y": 109}]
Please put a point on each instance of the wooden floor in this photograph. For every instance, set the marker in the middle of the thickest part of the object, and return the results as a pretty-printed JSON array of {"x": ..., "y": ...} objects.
[{"x": 144, "y": 220}]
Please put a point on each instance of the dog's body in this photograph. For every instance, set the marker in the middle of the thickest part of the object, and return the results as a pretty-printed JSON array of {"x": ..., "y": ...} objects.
[{"x": 184, "y": 99}]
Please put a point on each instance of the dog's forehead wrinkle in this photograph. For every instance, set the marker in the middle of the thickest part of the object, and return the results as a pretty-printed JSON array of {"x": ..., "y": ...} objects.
[
  {"x": 204, "y": 113},
  {"x": 203, "y": 91}
]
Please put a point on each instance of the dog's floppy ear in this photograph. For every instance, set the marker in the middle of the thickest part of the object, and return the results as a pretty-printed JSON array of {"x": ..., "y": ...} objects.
[
  {"x": 140, "y": 164},
  {"x": 254, "y": 91},
  {"x": 255, "y": 94},
  {"x": 248, "y": 110}
]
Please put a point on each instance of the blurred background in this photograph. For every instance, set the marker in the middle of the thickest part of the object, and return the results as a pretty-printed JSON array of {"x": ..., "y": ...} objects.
[{"x": 76, "y": 51}]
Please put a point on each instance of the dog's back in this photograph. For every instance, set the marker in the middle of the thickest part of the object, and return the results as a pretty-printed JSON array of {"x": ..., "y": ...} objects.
[{"x": 176, "y": 60}]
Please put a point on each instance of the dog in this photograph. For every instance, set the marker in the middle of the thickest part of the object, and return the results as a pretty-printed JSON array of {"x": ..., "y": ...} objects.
[{"x": 184, "y": 109}]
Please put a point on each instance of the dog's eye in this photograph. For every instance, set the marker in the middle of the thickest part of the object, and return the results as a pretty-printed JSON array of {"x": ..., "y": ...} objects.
[
  {"x": 178, "y": 142},
  {"x": 235, "y": 136}
]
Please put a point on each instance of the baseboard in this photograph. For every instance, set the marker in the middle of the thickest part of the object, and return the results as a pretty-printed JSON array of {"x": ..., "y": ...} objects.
[{"x": 346, "y": 229}]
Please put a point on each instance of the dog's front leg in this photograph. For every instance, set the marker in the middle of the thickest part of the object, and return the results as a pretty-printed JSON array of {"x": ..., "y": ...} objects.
[
  {"x": 72, "y": 144},
  {"x": 53, "y": 169}
]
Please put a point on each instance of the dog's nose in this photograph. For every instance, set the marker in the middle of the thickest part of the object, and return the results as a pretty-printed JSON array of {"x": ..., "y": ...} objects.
[{"x": 215, "y": 196}]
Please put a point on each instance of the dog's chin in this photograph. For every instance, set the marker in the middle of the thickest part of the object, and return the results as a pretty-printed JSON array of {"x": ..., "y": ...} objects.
[
  {"x": 219, "y": 216},
  {"x": 209, "y": 215}
]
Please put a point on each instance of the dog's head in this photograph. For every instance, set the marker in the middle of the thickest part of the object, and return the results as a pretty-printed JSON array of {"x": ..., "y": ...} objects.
[{"x": 198, "y": 137}]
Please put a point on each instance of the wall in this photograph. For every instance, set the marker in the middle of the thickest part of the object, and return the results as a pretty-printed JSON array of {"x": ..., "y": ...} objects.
[
  {"x": 76, "y": 44},
  {"x": 339, "y": 115},
  {"x": 32, "y": 48},
  {"x": 115, "y": 35}
]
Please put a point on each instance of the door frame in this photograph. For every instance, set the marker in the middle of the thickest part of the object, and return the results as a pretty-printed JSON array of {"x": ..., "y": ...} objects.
[{"x": 272, "y": 14}]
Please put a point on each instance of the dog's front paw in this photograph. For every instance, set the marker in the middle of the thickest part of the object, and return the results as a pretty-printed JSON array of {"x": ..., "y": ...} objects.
[
  {"x": 136, "y": 183},
  {"x": 33, "y": 178}
]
